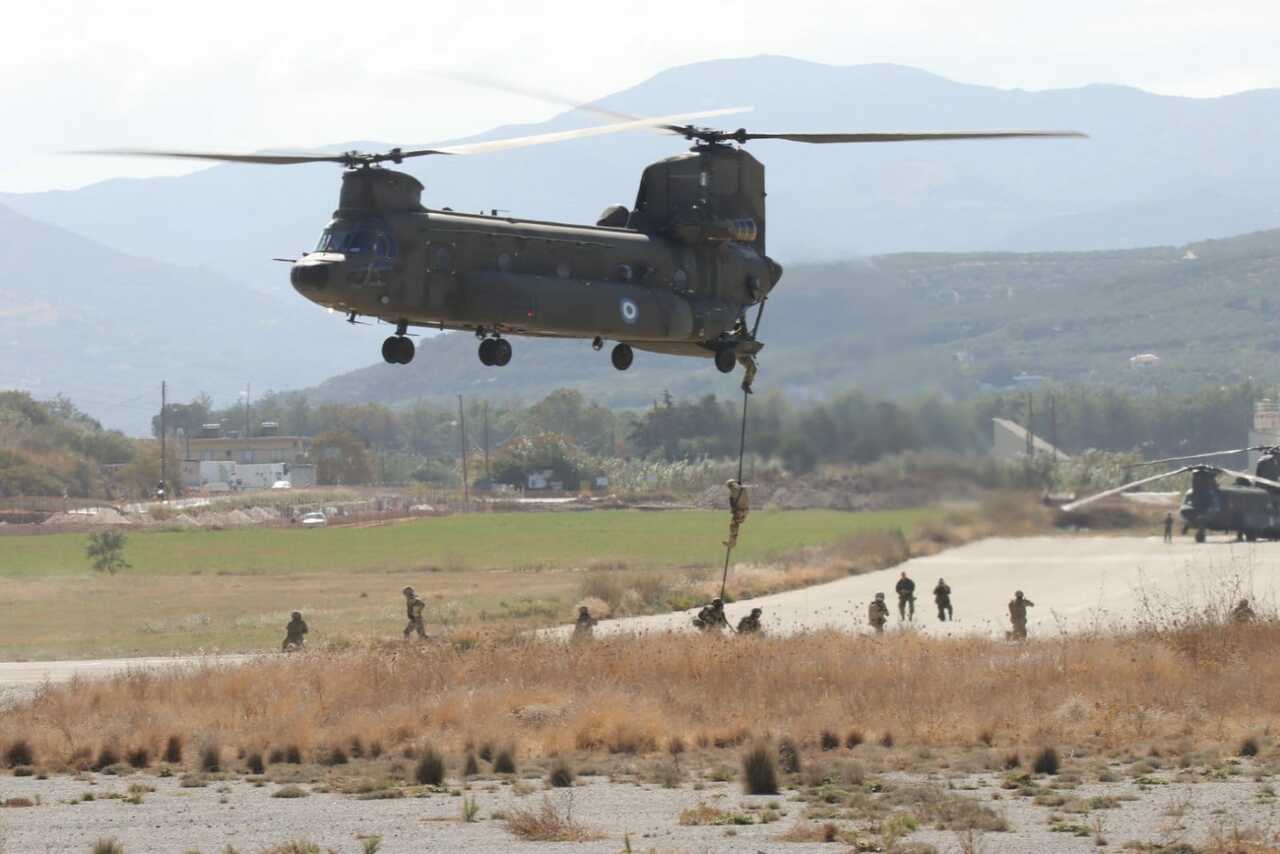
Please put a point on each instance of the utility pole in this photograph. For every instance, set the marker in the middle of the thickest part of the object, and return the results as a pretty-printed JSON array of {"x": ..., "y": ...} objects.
[
  {"x": 248, "y": 389},
  {"x": 164, "y": 490},
  {"x": 462, "y": 438},
  {"x": 487, "y": 474}
]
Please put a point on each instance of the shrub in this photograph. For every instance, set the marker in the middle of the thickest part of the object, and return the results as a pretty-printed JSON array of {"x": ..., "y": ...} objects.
[
  {"x": 470, "y": 809},
  {"x": 255, "y": 763},
  {"x": 430, "y": 768},
  {"x": 139, "y": 757},
  {"x": 335, "y": 756},
  {"x": 106, "y": 758},
  {"x": 275, "y": 757},
  {"x": 548, "y": 825},
  {"x": 1046, "y": 762},
  {"x": 108, "y": 846},
  {"x": 561, "y": 775},
  {"x": 886, "y": 740},
  {"x": 788, "y": 756},
  {"x": 210, "y": 758},
  {"x": 853, "y": 739},
  {"x": 290, "y": 791},
  {"x": 19, "y": 754},
  {"x": 1012, "y": 760},
  {"x": 829, "y": 740},
  {"x": 759, "y": 771},
  {"x": 486, "y": 752},
  {"x": 357, "y": 747},
  {"x": 505, "y": 761},
  {"x": 173, "y": 750},
  {"x": 470, "y": 767},
  {"x": 1249, "y": 747},
  {"x": 293, "y": 755}
]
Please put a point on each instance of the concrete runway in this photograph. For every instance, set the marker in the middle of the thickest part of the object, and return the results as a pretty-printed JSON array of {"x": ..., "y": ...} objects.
[
  {"x": 1076, "y": 582},
  {"x": 19, "y": 679}
]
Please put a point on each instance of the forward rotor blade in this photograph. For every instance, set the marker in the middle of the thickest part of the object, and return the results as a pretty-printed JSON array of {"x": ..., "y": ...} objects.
[
  {"x": 667, "y": 122},
  {"x": 270, "y": 159},
  {"x": 483, "y": 82},
  {"x": 1253, "y": 478},
  {"x": 827, "y": 138},
  {"x": 1075, "y": 505}
]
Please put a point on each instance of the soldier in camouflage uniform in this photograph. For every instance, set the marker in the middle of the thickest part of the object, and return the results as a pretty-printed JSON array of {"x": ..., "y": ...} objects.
[
  {"x": 711, "y": 617},
  {"x": 294, "y": 633},
  {"x": 1242, "y": 612},
  {"x": 1018, "y": 615},
  {"x": 414, "y": 608},
  {"x": 739, "y": 506},
  {"x": 878, "y": 613},
  {"x": 750, "y": 624},
  {"x": 942, "y": 597},
  {"x": 584, "y": 628}
]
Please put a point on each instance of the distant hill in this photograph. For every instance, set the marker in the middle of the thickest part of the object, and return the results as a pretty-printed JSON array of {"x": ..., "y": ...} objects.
[
  {"x": 104, "y": 328},
  {"x": 905, "y": 323}
]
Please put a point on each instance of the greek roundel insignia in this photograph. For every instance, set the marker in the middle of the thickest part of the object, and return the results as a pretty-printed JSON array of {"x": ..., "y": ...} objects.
[{"x": 630, "y": 311}]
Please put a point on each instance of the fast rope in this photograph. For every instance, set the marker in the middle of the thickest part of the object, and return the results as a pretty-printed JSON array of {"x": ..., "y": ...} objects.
[{"x": 742, "y": 449}]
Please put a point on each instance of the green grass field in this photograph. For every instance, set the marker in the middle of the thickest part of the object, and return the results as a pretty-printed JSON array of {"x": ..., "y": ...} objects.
[{"x": 461, "y": 542}]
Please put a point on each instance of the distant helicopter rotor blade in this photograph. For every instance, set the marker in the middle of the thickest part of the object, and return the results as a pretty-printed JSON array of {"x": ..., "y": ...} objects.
[
  {"x": 1253, "y": 478},
  {"x": 484, "y": 82},
  {"x": 1075, "y": 505},
  {"x": 662, "y": 122},
  {"x": 930, "y": 136},
  {"x": 1209, "y": 455}
]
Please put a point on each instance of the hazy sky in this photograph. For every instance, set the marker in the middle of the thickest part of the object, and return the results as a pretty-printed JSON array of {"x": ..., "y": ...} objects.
[{"x": 245, "y": 76}]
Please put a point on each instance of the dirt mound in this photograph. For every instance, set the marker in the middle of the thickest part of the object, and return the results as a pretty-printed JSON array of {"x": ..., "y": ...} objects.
[{"x": 92, "y": 516}]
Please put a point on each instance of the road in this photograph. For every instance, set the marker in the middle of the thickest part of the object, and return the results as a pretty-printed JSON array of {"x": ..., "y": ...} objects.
[
  {"x": 1076, "y": 582},
  {"x": 20, "y": 679}
]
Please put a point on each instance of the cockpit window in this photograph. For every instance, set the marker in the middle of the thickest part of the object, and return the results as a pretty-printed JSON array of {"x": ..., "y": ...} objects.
[{"x": 360, "y": 239}]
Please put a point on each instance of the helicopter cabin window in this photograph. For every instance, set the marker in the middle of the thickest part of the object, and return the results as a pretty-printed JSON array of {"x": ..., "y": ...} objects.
[{"x": 360, "y": 239}]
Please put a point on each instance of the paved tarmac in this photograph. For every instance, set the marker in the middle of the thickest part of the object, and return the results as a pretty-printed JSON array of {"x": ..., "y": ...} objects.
[
  {"x": 1076, "y": 582},
  {"x": 21, "y": 678}
]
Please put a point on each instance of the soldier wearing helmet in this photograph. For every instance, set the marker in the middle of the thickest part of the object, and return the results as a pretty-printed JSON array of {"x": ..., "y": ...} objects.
[
  {"x": 584, "y": 628},
  {"x": 711, "y": 617},
  {"x": 414, "y": 608},
  {"x": 878, "y": 613},
  {"x": 739, "y": 506},
  {"x": 1018, "y": 615},
  {"x": 750, "y": 624},
  {"x": 294, "y": 633}
]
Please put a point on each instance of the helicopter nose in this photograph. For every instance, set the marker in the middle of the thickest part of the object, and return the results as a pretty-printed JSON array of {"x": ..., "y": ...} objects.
[{"x": 309, "y": 275}]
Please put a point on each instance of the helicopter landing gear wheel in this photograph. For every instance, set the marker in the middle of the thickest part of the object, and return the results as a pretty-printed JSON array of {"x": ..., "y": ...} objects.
[
  {"x": 487, "y": 352},
  {"x": 501, "y": 352},
  {"x": 397, "y": 350},
  {"x": 1200, "y": 535},
  {"x": 726, "y": 360},
  {"x": 622, "y": 356},
  {"x": 597, "y": 344}
]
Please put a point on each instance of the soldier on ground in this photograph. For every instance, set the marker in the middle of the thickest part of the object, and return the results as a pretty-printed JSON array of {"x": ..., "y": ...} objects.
[
  {"x": 414, "y": 608},
  {"x": 294, "y": 634},
  {"x": 878, "y": 613},
  {"x": 1168, "y": 527},
  {"x": 584, "y": 628},
  {"x": 906, "y": 589},
  {"x": 739, "y": 506},
  {"x": 1018, "y": 615},
  {"x": 942, "y": 596},
  {"x": 1242, "y": 612},
  {"x": 711, "y": 617},
  {"x": 750, "y": 624}
]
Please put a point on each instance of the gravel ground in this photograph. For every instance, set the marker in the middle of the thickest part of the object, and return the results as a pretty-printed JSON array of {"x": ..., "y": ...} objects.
[{"x": 240, "y": 814}]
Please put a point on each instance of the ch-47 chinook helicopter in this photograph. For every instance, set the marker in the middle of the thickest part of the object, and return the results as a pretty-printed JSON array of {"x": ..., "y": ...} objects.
[
  {"x": 675, "y": 274},
  {"x": 1249, "y": 507}
]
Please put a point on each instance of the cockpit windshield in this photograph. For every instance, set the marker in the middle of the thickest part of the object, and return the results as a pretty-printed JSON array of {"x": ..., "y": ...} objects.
[{"x": 361, "y": 239}]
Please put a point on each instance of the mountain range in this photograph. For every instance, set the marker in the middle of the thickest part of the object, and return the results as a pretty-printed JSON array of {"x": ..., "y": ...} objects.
[{"x": 108, "y": 289}]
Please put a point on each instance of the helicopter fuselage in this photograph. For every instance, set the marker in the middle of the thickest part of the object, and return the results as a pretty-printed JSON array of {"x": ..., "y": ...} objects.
[
  {"x": 1250, "y": 511},
  {"x": 674, "y": 275}
]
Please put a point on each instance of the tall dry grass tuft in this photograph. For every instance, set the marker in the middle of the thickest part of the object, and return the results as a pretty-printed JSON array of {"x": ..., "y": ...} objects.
[
  {"x": 19, "y": 754},
  {"x": 549, "y": 824},
  {"x": 211, "y": 757},
  {"x": 430, "y": 768},
  {"x": 759, "y": 771},
  {"x": 1046, "y": 761},
  {"x": 1147, "y": 686},
  {"x": 561, "y": 774}
]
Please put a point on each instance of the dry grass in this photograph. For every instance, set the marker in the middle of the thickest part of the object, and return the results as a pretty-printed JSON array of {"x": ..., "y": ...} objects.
[
  {"x": 549, "y": 824},
  {"x": 1211, "y": 683}
]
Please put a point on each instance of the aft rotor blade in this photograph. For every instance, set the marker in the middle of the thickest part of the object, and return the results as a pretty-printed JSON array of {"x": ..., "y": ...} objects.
[
  {"x": 668, "y": 122},
  {"x": 931, "y": 136},
  {"x": 1253, "y": 478},
  {"x": 270, "y": 159},
  {"x": 1075, "y": 505}
]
